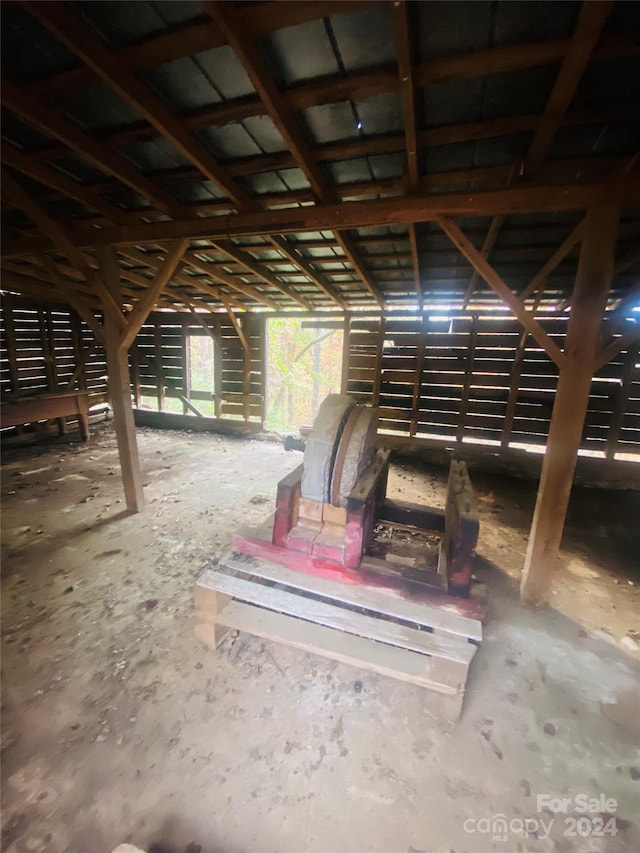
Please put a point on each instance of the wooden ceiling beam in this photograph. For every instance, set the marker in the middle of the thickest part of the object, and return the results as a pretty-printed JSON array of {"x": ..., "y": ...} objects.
[
  {"x": 592, "y": 18},
  {"x": 261, "y": 19},
  {"x": 148, "y": 299},
  {"x": 556, "y": 258},
  {"x": 154, "y": 261},
  {"x": 53, "y": 232},
  {"x": 475, "y": 258},
  {"x": 69, "y": 188},
  {"x": 318, "y": 278},
  {"x": 249, "y": 263},
  {"x": 201, "y": 35},
  {"x": 82, "y": 41},
  {"x": 404, "y": 54},
  {"x": 446, "y": 135},
  {"x": 51, "y": 123},
  {"x": 249, "y": 55},
  {"x": 538, "y": 198}
]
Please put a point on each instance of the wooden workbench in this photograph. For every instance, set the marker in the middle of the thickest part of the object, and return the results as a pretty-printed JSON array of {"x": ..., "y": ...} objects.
[{"x": 26, "y": 410}]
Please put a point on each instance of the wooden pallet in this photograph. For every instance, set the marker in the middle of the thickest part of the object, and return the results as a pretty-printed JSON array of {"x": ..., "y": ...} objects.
[{"x": 411, "y": 641}]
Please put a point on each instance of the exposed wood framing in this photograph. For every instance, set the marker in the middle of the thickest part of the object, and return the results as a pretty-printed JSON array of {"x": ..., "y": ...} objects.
[
  {"x": 404, "y": 53},
  {"x": 613, "y": 434},
  {"x": 146, "y": 302},
  {"x": 243, "y": 44},
  {"x": 494, "y": 281},
  {"x": 592, "y": 19},
  {"x": 558, "y": 256},
  {"x": 120, "y": 389},
  {"x": 88, "y": 47},
  {"x": 593, "y": 280},
  {"x": 55, "y": 233},
  {"x": 522, "y": 199}
]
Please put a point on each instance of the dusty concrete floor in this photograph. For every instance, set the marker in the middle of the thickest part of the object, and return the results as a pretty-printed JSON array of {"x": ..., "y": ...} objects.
[{"x": 118, "y": 725}]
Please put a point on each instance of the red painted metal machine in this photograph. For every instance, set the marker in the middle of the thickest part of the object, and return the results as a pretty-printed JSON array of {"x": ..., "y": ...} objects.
[{"x": 333, "y": 518}]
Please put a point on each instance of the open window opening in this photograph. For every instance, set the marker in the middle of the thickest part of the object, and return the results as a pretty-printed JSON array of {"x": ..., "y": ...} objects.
[{"x": 304, "y": 364}]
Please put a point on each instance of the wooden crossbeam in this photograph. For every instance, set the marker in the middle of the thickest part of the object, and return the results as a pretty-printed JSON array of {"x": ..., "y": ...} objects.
[
  {"x": 593, "y": 16},
  {"x": 621, "y": 190},
  {"x": 315, "y": 276},
  {"x": 53, "y": 124},
  {"x": 402, "y": 37},
  {"x": 145, "y": 304},
  {"x": 556, "y": 258},
  {"x": 231, "y": 281},
  {"x": 221, "y": 114},
  {"x": 236, "y": 325},
  {"x": 245, "y": 260},
  {"x": 243, "y": 44},
  {"x": 50, "y": 177},
  {"x": 497, "y": 284},
  {"x": 87, "y": 46},
  {"x": 83, "y": 310},
  {"x": 193, "y": 38},
  {"x": 614, "y": 347},
  {"x": 53, "y": 232},
  {"x": 489, "y": 242}
]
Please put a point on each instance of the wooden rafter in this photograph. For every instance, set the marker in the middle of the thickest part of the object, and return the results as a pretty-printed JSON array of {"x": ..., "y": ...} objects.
[
  {"x": 244, "y": 46},
  {"x": 497, "y": 284},
  {"x": 87, "y": 46},
  {"x": 556, "y": 258},
  {"x": 445, "y": 135},
  {"x": 617, "y": 345},
  {"x": 53, "y": 232},
  {"x": 264, "y": 18},
  {"x": 43, "y": 173},
  {"x": 314, "y": 275},
  {"x": 591, "y": 21},
  {"x": 51, "y": 123},
  {"x": 245, "y": 260},
  {"x": 145, "y": 304},
  {"x": 404, "y": 55},
  {"x": 420, "y": 208}
]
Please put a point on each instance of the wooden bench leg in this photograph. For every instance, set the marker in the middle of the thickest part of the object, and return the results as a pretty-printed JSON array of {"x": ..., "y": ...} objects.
[{"x": 208, "y": 604}]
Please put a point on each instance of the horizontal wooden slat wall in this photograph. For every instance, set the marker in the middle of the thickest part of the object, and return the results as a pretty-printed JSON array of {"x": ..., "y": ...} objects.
[
  {"x": 482, "y": 379},
  {"x": 40, "y": 347},
  {"x": 159, "y": 369}
]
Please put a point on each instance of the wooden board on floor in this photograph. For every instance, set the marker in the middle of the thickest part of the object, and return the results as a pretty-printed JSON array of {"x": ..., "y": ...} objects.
[{"x": 420, "y": 644}]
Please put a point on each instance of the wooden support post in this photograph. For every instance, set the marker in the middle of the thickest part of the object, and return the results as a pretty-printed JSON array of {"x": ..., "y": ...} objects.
[
  {"x": 468, "y": 373},
  {"x": 119, "y": 386},
  {"x": 135, "y": 369},
  {"x": 622, "y": 395},
  {"x": 10, "y": 337},
  {"x": 417, "y": 382},
  {"x": 217, "y": 365},
  {"x": 346, "y": 348},
  {"x": 377, "y": 376},
  {"x": 157, "y": 351},
  {"x": 593, "y": 281},
  {"x": 80, "y": 354},
  {"x": 507, "y": 425},
  {"x": 186, "y": 367}
]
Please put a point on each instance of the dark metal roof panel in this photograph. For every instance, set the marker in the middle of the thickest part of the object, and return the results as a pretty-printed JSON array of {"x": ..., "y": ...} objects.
[
  {"x": 301, "y": 53},
  {"x": 130, "y": 21},
  {"x": 29, "y": 51},
  {"x": 364, "y": 39}
]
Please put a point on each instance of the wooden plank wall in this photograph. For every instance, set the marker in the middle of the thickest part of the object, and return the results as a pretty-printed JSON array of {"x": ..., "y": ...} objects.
[
  {"x": 481, "y": 379},
  {"x": 159, "y": 363},
  {"x": 40, "y": 347}
]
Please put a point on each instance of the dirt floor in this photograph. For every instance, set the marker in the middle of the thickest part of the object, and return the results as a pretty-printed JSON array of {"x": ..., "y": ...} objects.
[{"x": 119, "y": 726}]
